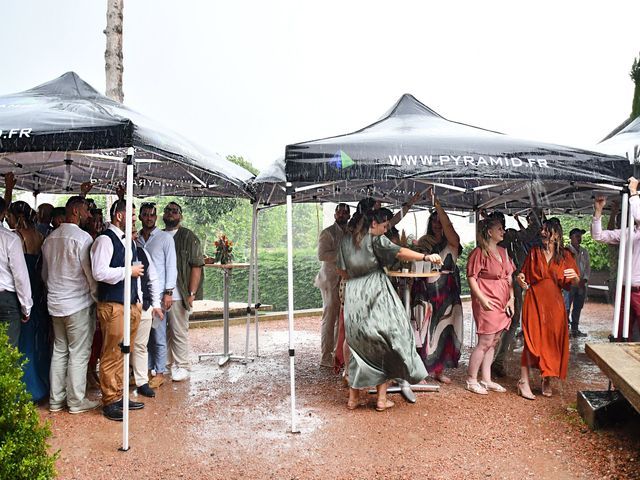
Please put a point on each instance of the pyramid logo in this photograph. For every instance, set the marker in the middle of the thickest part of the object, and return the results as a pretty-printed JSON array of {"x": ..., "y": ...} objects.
[{"x": 341, "y": 160}]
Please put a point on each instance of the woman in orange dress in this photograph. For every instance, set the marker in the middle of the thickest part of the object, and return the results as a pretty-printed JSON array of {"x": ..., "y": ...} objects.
[
  {"x": 489, "y": 271},
  {"x": 546, "y": 271}
]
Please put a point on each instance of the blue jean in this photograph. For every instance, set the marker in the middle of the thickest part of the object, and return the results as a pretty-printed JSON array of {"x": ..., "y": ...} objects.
[
  {"x": 576, "y": 297},
  {"x": 157, "y": 347}
]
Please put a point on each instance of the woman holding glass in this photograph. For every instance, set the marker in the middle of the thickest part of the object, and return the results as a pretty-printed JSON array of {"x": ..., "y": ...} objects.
[{"x": 378, "y": 332}]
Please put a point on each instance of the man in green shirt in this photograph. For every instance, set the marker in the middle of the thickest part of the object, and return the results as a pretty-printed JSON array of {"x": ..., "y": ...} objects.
[{"x": 189, "y": 262}]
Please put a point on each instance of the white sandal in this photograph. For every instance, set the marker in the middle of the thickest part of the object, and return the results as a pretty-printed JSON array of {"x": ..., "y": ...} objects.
[
  {"x": 475, "y": 387},
  {"x": 493, "y": 386}
]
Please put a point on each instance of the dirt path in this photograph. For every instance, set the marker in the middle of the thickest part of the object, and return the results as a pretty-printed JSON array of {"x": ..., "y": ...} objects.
[{"x": 233, "y": 422}]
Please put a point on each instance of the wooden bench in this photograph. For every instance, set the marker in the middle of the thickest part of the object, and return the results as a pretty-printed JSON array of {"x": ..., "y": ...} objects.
[{"x": 211, "y": 309}]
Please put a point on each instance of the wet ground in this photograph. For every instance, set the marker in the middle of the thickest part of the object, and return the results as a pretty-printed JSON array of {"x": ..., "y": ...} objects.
[{"x": 235, "y": 422}]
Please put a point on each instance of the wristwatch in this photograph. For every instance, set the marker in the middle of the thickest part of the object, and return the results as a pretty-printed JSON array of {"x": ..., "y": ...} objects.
[
  {"x": 192, "y": 294},
  {"x": 168, "y": 291}
]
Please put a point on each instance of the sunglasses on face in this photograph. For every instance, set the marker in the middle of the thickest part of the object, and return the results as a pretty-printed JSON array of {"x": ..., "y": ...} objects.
[{"x": 171, "y": 210}]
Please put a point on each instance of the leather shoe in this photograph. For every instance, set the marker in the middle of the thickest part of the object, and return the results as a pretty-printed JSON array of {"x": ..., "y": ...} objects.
[
  {"x": 146, "y": 390},
  {"x": 157, "y": 381},
  {"x": 113, "y": 412},
  {"x": 132, "y": 405}
]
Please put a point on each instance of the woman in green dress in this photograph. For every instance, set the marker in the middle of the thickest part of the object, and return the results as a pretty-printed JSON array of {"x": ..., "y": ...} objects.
[{"x": 377, "y": 327}]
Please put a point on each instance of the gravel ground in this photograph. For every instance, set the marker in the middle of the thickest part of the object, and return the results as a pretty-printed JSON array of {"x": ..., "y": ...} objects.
[{"x": 235, "y": 421}]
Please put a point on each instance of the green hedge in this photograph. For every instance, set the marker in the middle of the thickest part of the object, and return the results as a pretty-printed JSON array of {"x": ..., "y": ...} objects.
[
  {"x": 272, "y": 272},
  {"x": 23, "y": 439}
]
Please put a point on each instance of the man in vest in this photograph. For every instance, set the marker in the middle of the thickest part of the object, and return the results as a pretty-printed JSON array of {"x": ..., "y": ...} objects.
[{"x": 107, "y": 264}]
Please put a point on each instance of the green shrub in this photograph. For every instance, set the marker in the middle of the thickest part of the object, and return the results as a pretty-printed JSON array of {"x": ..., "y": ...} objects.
[
  {"x": 23, "y": 439},
  {"x": 272, "y": 274},
  {"x": 462, "y": 265}
]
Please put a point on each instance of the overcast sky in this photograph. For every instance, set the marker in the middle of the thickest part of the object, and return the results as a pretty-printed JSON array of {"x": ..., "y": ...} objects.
[{"x": 247, "y": 78}]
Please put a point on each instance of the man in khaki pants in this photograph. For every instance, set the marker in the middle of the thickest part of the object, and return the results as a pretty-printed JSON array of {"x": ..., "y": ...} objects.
[
  {"x": 107, "y": 263},
  {"x": 150, "y": 294},
  {"x": 189, "y": 262}
]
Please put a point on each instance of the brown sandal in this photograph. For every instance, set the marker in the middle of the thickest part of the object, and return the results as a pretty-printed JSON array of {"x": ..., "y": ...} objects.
[{"x": 381, "y": 407}]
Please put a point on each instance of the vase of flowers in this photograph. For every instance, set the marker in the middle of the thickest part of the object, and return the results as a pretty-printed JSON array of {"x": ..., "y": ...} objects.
[{"x": 224, "y": 250}]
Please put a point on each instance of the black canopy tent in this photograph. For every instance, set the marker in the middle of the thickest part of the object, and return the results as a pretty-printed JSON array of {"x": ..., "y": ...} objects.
[
  {"x": 62, "y": 133},
  {"x": 412, "y": 147}
]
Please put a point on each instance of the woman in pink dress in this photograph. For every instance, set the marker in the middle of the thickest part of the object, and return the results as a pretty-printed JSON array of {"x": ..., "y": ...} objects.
[{"x": 489, "y": 272}]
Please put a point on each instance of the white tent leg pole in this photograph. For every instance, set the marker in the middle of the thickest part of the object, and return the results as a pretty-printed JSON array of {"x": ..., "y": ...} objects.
[
  {"x": 627, "y": 281},
  {"x": 472, "y": 340},
  {"x": 126, "y": 342},
  {"x": 621, "y": 265},
  {"x": 292, "y": 363},
  {"x": 250, "y": 293},
  {"x": 256, "y": 291}
]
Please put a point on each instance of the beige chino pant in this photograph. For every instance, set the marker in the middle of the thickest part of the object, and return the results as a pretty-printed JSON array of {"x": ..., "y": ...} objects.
[
  {"x": 111, "y": 318},
  {"x": 178, "y": 336},
  {"x": 73, "y": 336},
  {"x": 140, "y": 354}
]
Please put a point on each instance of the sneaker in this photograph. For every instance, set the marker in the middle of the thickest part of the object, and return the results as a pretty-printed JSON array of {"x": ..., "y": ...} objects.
[
  {"x": 57, "y": 407},
  {"x": 146, "y": 390},
  {"x": 132, "y": 405},
  {"x": 178, "y": 374},
  {"x": 113, "y": 412},
  {"x": 157, "y": 381},
  {"x": 578, "y": 333},
  {"x": 85, "y": 406}
]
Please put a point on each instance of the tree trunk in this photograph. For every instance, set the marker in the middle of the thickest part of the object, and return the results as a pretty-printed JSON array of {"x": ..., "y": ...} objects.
[
  {"x": 113, "y": 54},
  {"x": 635, "y": 76},
  {"x": 113, "y": 64}
]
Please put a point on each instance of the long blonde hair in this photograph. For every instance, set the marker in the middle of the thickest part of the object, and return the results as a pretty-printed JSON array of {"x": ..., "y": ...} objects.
[{"x": 483, "y": 233}]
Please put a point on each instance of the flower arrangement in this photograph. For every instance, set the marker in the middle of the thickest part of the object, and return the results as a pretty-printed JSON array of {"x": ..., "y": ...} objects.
[{"x": 224, "y": 250}]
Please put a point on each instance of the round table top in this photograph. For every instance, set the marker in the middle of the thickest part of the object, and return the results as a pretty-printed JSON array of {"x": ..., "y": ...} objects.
[
  {"x": 228, "y": 265},
  {"x": 416, "y": 274}
]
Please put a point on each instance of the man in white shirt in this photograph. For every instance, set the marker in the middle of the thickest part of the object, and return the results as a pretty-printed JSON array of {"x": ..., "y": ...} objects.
[
  {"x": 612, "y": 237},
  {"x": 149, "y": 292},
  {"x": 15, "y": 288},
  {"x": 66, "y": 270},
  {"x": 161, "y": 248},
  {"x": 107, "y": 265},
  {"x": 578, "y": 294}
]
